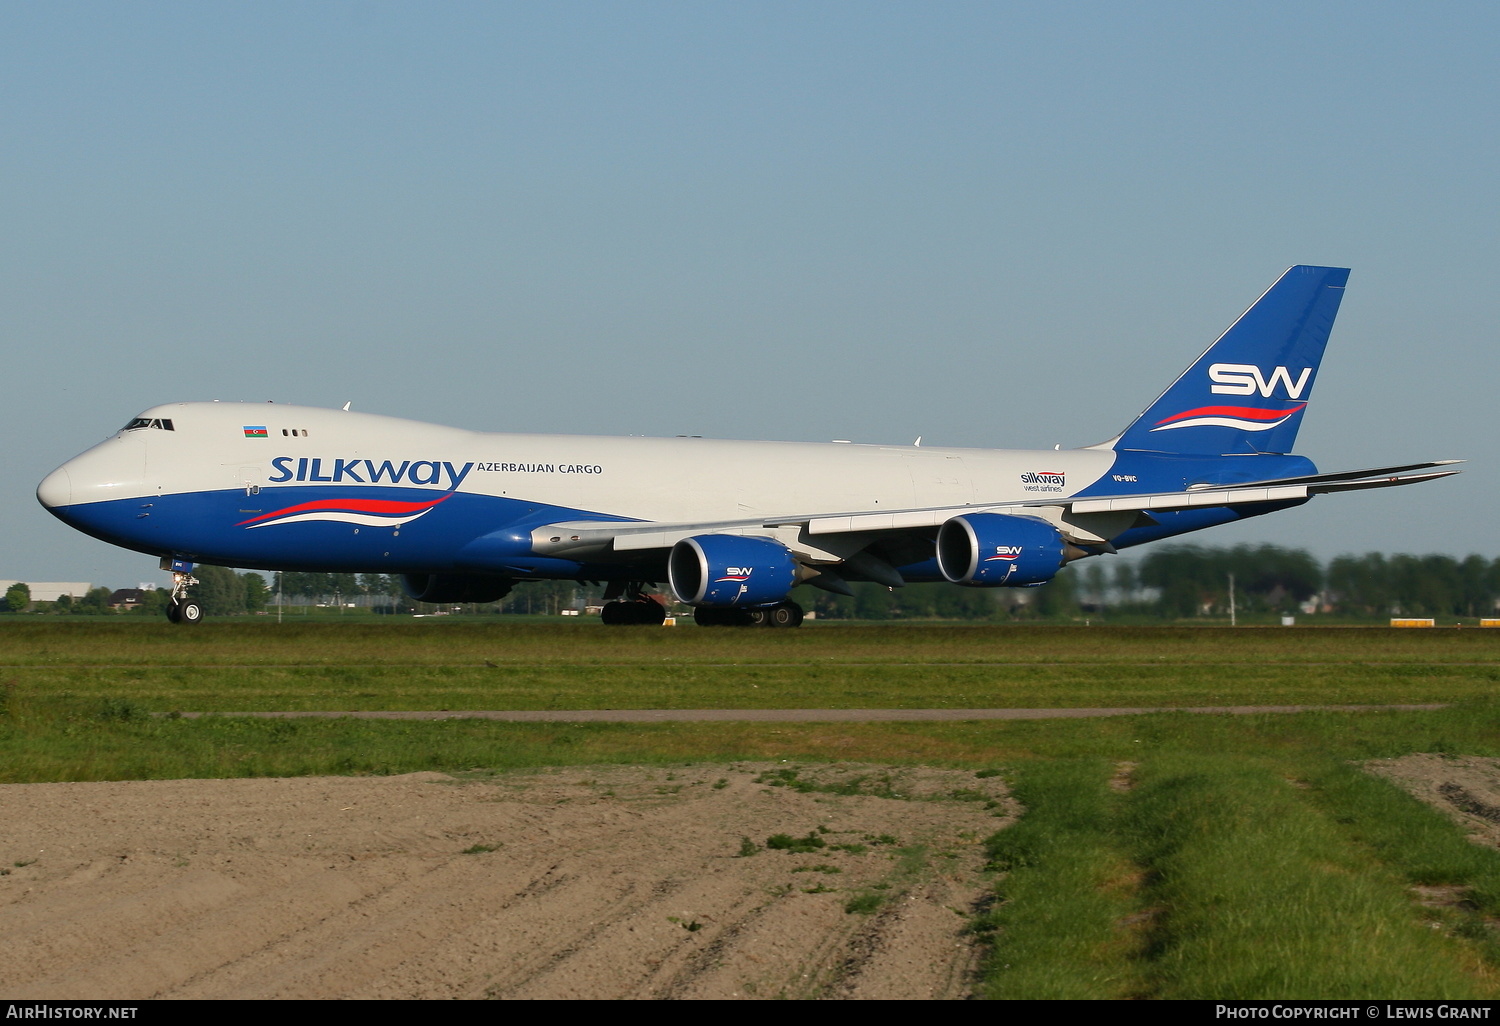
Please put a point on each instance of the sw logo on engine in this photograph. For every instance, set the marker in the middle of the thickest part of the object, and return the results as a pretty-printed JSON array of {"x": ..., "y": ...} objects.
[
  {"x": 1005, "y": 552},
  {"x": 1246, "y": 379}
]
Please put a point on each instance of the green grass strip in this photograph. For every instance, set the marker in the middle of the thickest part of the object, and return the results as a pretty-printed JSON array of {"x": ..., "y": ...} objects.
[
  {"x": 1410, "y": 836},
  {"x": 473, "y": 641},
  {"x": 69, "y": 737},
  {"x": 1263, "y": 897},
  {"x": 1462, "y": 879},
  {"x": 1058, "y": 929}
]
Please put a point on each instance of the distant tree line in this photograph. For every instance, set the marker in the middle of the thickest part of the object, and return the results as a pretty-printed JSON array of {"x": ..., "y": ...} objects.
[
  {"x": 383, "y": 593},
  {"x": 95, "y": 600},
  {"x": 1187, "y": 581},
  {"x": 18, "y": 600},
  {"x": 1170, "y": 582},
  {"x": 1191, "y": 580},
  {"x": 223, "y": 592}
]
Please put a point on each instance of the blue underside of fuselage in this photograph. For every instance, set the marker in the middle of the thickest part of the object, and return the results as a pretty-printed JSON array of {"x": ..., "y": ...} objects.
[{"x": 462, "y": 533}]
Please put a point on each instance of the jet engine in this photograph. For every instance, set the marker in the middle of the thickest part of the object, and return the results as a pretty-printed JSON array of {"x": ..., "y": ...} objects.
[
  {"x": 724, "y": 570},
  {"x": 998, "y": 550},
  {"x": 456, "y": 587}
]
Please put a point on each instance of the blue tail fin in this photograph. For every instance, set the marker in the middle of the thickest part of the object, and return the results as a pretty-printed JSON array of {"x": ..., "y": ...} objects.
[{"x": 1247, "y": 393}]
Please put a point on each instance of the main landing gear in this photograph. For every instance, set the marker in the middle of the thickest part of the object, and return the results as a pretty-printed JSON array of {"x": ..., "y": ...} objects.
[
  {"x": 628, "y": 603},
  {"x": 783, "y": 614}
]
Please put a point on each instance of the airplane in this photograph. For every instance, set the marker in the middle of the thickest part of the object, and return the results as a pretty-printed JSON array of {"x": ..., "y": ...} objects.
[{"x": 731, "y": 526}]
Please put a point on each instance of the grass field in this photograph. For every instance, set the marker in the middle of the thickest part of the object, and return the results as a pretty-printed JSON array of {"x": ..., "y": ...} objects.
[
  {"x": 1160, "y": 855},
  {"x": 463, "y": 664}
]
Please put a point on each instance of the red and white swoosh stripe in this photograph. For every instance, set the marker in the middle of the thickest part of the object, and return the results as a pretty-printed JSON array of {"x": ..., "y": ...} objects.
[
  {"x": 365, "y": 512},
  {"x": 1243, "y": 418}
]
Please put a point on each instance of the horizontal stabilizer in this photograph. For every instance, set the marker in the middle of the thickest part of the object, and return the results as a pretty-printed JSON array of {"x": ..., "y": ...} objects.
[
  {"x": 1249, "y": 493},
  {"x": 1356, "y": 475},
  {"x": 1384, "y": 482}
]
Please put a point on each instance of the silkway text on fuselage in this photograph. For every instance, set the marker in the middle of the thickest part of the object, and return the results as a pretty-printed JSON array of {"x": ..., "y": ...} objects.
[{"x": 415, "y": 472}]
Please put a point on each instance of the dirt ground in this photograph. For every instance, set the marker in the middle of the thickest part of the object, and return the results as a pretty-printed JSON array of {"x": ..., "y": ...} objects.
[
  {"x": 605, "y": 882},
  {"x": 590, "y": 882}
]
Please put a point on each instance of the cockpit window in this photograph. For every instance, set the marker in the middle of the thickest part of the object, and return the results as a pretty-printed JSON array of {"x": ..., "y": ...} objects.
[{"x": 160, "y": 423}]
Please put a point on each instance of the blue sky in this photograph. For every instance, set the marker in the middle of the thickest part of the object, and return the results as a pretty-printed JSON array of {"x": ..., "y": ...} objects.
[{"x": 989, "y": 224}]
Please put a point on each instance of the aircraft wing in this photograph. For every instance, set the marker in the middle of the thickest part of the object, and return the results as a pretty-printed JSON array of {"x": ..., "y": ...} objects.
[{"x": 1088, "y": 519}]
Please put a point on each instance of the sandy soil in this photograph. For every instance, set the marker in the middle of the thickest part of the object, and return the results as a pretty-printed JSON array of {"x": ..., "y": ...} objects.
[
  {"x": 1466, "y": 788},
  {"x": 608, "y": 882}
]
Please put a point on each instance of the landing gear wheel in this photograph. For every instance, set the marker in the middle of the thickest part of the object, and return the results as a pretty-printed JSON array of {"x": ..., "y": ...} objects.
[
  {"x": 188, "y": 612},
  {"x": 785, "y": 614},
  {"x": 174, "y": 612}
]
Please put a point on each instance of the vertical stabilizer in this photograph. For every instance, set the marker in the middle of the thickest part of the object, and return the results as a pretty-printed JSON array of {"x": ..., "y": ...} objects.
[{"x": 1247, "y": 393}]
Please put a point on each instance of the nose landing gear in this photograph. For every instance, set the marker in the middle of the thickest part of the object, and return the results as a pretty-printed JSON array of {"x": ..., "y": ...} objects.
[{"x": 180, "y": 608}]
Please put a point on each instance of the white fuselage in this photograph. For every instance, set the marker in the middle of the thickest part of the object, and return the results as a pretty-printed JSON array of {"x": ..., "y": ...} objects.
[{"x": 654, "y": 479}]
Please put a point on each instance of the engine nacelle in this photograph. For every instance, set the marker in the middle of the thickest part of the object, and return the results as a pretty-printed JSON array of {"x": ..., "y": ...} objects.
[
  {"x": 456, "y": 587},
  {"x": 724, "y": 570},
  {"x": 998, "y": 550}
]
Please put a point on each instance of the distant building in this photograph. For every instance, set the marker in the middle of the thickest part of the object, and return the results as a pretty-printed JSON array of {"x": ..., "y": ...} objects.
[
  {"x": 51, "y": 591},
  {"x": 126, "y": 598}
]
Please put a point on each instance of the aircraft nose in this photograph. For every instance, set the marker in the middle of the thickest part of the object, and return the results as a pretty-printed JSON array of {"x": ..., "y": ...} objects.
[
  {"x": 56, "y": 489},
  {"x": 110, "y": 471}
]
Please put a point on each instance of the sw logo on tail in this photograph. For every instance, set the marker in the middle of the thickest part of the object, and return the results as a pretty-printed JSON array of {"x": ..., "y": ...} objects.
[{"x": 1246, "y": 379}]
